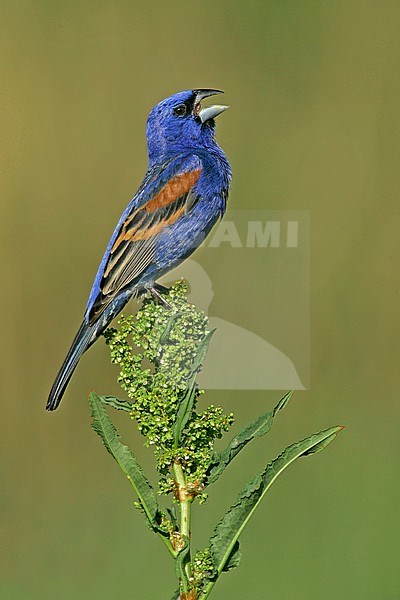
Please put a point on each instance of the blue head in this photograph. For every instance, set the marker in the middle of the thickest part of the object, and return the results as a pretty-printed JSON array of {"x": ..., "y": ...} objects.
[{"x": 179, "y": 123}]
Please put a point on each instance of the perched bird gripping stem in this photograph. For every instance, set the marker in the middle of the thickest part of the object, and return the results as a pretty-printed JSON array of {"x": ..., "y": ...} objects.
[{"x": 183, "y": 194}]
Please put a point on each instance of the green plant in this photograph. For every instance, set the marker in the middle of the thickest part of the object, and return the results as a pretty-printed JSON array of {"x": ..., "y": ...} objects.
[{"x": 163, "y": 399}]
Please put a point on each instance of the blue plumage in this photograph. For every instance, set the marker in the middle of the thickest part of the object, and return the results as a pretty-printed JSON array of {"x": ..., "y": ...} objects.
[{"x": 183, "y": 194}]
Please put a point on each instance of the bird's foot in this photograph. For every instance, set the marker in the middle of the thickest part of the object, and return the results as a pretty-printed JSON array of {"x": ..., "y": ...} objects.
[
  {"x": 161, "y": 288},
  {"x": 156, "y": 291}
]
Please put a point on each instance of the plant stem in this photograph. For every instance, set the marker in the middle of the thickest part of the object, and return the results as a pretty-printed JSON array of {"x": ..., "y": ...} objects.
[
  {"x": 185, "y": 501},
  {"x": 207, "y": 590},
  {"x": 168, "y": 544}
]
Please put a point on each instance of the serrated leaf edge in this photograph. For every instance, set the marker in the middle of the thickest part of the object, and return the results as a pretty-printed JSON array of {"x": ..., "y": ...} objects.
[{"x": 257, "y": 482}]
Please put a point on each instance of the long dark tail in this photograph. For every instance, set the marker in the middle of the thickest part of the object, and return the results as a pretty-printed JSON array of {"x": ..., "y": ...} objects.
[{"x": 85, "y": 337}]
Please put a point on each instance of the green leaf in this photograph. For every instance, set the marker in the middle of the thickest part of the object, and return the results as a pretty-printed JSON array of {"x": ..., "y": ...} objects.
[
  {"x": 124, "y": 457},
  {"x": 117, "y": 403},
  {"x": 172, "y": 515},
  {"x": 176, "y": 595},
  {"x": 165, "y": 336},
  {"x": 184, "y": 412},
  {"x": 228, "y": 530},
  {"x": 180, "y": 564},
  {"x": 202, "y": 350},
  {"x": 234, "y": 558},
  {"x": 323, "y": 444},
  {"x": 260, "y": 426},
  {"x": 186, "y": 405}
]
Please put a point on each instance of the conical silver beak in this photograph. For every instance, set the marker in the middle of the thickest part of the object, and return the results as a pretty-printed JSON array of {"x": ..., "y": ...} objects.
[{"x": 210, "y": 112}]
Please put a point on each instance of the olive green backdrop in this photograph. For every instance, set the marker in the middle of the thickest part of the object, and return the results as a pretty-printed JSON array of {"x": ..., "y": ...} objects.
[{"x": 314, "y": 125}]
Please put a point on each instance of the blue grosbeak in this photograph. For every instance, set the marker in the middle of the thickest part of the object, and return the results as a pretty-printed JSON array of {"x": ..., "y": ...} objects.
[{"x": 183, "y": 194}]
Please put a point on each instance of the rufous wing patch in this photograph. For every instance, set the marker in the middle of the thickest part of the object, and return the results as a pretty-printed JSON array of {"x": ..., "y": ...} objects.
[{"x": 175, "y": 188}]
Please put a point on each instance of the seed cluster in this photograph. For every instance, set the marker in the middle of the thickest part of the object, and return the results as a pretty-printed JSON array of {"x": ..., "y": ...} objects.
[{"x": 155, "y": 351}]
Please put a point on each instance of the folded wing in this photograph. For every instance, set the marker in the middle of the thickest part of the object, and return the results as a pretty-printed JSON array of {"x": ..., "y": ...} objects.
[{"x": 132, "y": 247}]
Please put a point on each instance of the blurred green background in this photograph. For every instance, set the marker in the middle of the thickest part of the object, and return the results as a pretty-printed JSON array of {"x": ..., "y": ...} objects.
[{"x": 314, "y": 125}]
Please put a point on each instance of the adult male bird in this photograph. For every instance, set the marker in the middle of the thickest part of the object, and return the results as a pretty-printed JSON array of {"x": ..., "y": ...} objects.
[{"x": 183, "y": 194}]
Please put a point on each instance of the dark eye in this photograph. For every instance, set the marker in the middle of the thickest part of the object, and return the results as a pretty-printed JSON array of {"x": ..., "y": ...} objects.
[{"x": 180, "y": 110}]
